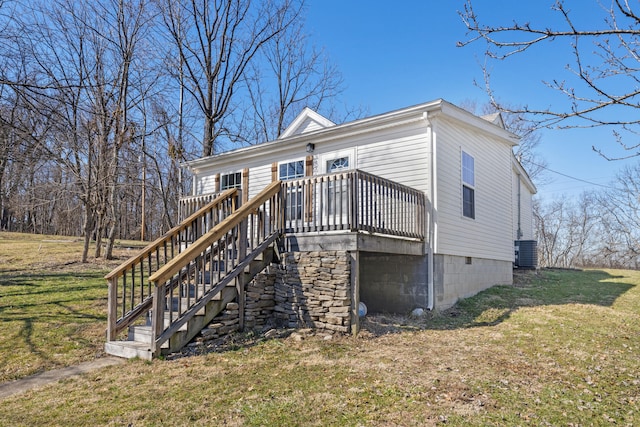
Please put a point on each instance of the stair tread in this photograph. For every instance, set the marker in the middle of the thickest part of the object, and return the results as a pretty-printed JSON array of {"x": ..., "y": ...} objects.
[{"x": 131, "y": 344}]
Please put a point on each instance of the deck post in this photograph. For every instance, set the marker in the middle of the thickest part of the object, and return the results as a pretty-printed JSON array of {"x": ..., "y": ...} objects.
[
  {"x": 112, "y": 314},
  {"x": 355, "y": 291},
  {"x": 241, "y": 286},
  {"x": 157, "y": 321}
]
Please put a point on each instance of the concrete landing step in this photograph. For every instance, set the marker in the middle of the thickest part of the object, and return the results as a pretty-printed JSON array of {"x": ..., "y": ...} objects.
[{"x": 129, "y": 349}]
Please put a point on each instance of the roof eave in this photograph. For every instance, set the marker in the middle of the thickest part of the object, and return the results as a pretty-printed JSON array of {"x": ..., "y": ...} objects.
[{"x": 369, "y": 124}]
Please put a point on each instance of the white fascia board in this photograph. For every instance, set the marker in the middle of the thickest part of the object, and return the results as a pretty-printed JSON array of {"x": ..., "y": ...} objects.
[
  {"x": 296, "y": 145},
  {"x": 517, "y": 166},
  {"x": 479, "y": 123}
]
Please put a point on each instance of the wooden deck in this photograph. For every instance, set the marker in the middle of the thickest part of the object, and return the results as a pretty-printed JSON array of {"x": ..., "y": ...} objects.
[
  {"x": 345, "y": 201},
  {"x": 174, "y": 286}
]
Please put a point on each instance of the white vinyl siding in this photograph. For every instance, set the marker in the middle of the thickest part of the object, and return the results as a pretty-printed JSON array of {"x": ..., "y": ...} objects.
[
  {"x": 489, "y": 235},
  {"x": 400, "y": 154},
  {"x": 259, "y": 178},
  {"x": 308, "y": 125},
  {"x": 205, "y": 183}
]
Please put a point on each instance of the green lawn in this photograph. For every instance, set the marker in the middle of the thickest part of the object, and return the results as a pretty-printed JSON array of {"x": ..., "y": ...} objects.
[
  {"x": 558, "y": 349},
  {"x": 52, "y": 307}
]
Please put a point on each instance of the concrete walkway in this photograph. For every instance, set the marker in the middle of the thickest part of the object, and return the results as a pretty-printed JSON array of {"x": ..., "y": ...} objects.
[{"x": 19, "y": 386}]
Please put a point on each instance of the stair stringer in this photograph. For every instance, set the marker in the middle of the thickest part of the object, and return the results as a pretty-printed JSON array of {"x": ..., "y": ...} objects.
[
  {"x": 258, "y": 263},
  {"x": 238, "y": 274},
  {"x": 199, "y": 321}
]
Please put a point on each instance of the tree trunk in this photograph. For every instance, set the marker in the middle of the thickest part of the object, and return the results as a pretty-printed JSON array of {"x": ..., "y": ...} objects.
[{"x": 87, "y": 234}]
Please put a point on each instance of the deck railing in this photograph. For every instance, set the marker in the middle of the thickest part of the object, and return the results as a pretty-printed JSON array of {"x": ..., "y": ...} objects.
[
  {"x": 175, "y": 276},
  {"x": 185, "y": 284},
  {"x": 130, "y": 292},
  {"x": 188, "y": 205},
  {"x": 355, "y": 201}
]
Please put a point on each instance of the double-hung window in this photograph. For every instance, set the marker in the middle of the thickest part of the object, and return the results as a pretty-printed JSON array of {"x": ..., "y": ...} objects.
[
  {"x": 231, "y": 180},
  {"x": 289, "y": 171},
  {"x": 468, "y": 186}
]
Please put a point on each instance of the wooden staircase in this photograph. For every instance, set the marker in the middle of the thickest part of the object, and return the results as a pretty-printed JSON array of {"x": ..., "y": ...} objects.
[
  {"x": 164, "y": 296},
  {"x": 140, "y": 337}
]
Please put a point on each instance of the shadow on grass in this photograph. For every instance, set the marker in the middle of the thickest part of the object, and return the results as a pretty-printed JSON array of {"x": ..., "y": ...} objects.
[
  {"x": 40, "y": 309},
  {"x": 15, "y": 278},
  {"x": 47, "y": 297},
  {"x": 496, "y": 304}
]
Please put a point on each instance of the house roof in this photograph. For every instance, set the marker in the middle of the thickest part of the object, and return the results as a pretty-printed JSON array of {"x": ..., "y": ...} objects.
[
  {"x": 495, "y": 118},
  {"x": 311, "y": 127},
  {"x": 517, "y": 166},
  {"x": 308, "y": 120}
]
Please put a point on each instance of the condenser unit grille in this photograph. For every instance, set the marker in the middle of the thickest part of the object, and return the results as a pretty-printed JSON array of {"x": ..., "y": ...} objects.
[{"x": 526, "y": 253}]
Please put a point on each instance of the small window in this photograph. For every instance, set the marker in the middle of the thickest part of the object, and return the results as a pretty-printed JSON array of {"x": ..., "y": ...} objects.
[
  {"x": 468, "y": 202},
  {"x": 468, "y": 186},
  {"x": 339, "y": 164},
  {"x": 468, "y": 260},
  {"x": 291, "y": 170},
  {"x": 468, "y": 170},
  {"x": 231, "y": 180}
]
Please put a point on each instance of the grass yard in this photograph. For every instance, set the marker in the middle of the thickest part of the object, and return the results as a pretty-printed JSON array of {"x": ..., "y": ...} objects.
[
  {"x": 556, "y": 349},
  {"x": 52, "y": 307}
]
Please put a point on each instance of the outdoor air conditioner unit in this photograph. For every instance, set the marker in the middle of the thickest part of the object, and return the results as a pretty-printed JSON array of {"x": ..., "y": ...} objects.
[{"x": 526, "y": 254}]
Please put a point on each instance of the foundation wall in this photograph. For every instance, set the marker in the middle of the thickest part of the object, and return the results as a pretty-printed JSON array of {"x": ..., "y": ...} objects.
[
  {"x": 458, "y": 277},
  {"x": 393, "y": 283}
]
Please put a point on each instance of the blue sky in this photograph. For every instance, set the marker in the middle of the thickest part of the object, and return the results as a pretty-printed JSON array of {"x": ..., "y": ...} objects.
[{"x": 396, "y": 54}]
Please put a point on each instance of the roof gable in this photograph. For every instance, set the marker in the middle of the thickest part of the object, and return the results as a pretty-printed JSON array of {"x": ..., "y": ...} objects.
[
  {"x": 307, "y": 121},
  {"x": 495, "y": 118}
]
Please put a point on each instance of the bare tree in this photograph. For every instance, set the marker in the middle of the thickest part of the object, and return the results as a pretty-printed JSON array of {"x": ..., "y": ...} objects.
[
  {"x": 602, "y": 86},
  {"x": 620, "y": 208},
  {"x": 81, "y": 56},
  {"x": 216, "y": 40},
  {"x": 565, "y": 231},
  {"x": 93, "y": 126},
  {"x": 291, "y": 76}
]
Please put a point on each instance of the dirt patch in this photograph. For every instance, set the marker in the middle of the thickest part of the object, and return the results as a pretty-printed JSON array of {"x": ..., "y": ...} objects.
[{"x": 372, "y": 327}]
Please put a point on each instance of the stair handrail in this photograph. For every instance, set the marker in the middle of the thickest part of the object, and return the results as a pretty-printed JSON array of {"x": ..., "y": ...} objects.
[
  {"x": 140, "y": 305},
  {"x": 189, "y": 254},
  {"x": 235, "y": 224}
]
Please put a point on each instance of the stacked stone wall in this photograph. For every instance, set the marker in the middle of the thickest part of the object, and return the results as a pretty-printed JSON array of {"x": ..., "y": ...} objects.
[
  {"x": 307, "y": 290},
  {"x": 313, "y": 289},
  {"x": 260, "y": 299},
  {"x": 223, "y": 324}
]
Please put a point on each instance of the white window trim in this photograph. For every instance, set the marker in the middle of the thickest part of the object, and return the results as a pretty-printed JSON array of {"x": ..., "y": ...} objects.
[
  {"x": 333, "y": 155},
  {"x": 463, "y": 183},
  {"x": 231, "y": 173},
  {"x": 301, "y": 159}
]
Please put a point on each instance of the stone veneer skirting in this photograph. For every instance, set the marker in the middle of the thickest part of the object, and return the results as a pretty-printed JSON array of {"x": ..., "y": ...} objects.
[
  {"x": 313, "y": 289},
  {"x": 306, "y": 290}
]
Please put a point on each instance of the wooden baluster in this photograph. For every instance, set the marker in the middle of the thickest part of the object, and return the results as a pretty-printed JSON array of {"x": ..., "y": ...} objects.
[
  {"x": 124, "y": 293},
  {"x": 133, "y": 284}
]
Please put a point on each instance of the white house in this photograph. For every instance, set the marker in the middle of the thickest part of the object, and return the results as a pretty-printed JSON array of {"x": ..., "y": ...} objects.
[
  {"x": 477, "y": 199},
  {"x": 417, "y": 207}
]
